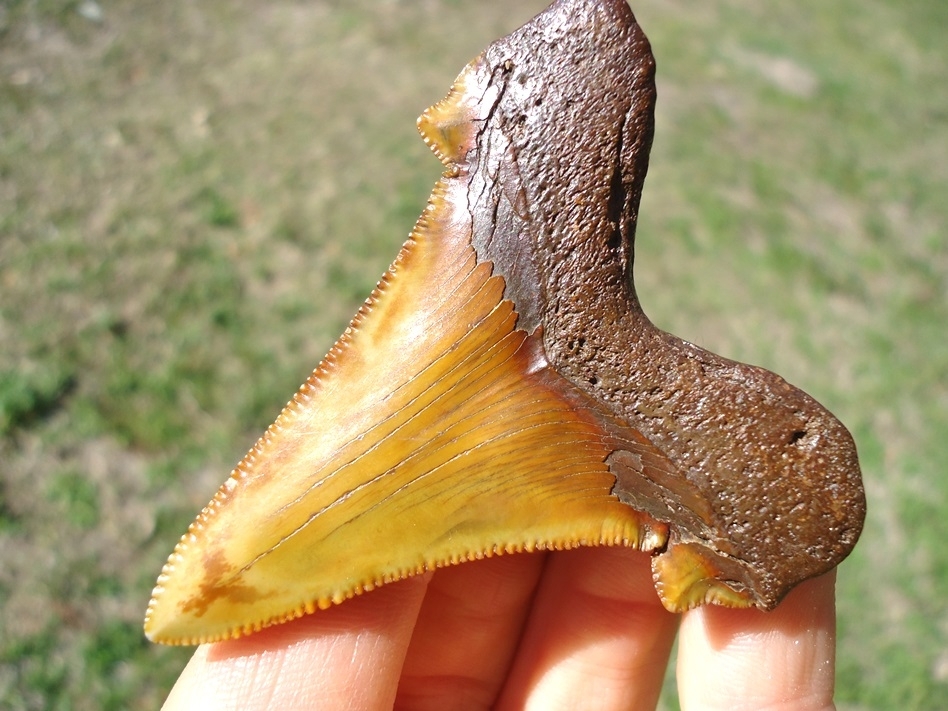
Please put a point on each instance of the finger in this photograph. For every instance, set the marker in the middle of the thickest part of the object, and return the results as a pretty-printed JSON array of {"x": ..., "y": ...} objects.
[
  {"x": 598, "y": 638},
  {"x": 348, "y": 656},
  {"x": 747, "y": 659},
  {"x": 467, "y": 632}
]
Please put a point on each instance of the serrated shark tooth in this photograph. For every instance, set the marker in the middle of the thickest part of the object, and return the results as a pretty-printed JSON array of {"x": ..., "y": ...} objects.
[{"x": 502, "y": 390}]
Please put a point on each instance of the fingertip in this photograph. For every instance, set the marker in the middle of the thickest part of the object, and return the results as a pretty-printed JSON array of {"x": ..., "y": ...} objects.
[
  {"x": 348, "y": 656},
  {"x": 748, "y": 659},
  {"x": 598, "y": 636}
]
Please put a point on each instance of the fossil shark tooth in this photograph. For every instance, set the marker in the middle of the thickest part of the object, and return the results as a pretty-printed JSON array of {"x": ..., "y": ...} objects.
[{"x": 501, "y": 390}]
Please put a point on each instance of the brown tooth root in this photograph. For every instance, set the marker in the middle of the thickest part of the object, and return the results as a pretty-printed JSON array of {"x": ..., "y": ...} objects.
[{"x": 501, "y": 390}]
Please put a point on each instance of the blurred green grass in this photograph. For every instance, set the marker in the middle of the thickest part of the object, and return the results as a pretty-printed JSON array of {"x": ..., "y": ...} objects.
[{"x": 194, "y": 199}]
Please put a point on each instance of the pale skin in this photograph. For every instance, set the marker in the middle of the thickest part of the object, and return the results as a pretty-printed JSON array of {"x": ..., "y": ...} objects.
[{"x": 571, "y": 630}]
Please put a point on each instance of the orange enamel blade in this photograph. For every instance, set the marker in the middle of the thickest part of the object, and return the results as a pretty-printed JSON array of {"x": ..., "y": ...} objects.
[{"x": 431, "y": 434}]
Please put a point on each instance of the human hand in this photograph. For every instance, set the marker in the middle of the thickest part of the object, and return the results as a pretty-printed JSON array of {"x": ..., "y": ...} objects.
[{"x": 580, "y": 629}]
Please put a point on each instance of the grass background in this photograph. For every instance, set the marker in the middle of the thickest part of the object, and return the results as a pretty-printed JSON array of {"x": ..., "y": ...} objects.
[{"x": 194, "y": 199}]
